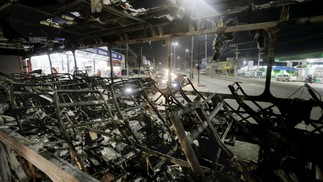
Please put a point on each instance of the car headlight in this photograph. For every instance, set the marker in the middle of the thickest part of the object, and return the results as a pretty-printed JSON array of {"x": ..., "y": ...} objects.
[
  {"x": 174, "y": 84},
  {"x": 128, "y": 90}
]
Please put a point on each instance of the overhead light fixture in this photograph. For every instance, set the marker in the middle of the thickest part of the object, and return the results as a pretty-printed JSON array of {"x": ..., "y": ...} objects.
[{"x": 200, "y": 9}]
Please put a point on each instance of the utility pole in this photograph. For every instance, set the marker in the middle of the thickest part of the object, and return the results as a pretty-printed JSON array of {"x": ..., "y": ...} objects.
[
  {"x": 259, "y": 53},
  {"x": 186, "y": 52},
  {"x": 174, "y": 44},
  {"x": 205, "y": 47},
  {"x": 192, "y": 57},
  {"x": 169, "y": 60},
  {"x": 236, "y": 53}
]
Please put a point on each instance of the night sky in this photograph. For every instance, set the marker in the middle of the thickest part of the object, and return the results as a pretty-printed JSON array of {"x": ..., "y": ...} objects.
[{"x": 292, "y": 40}]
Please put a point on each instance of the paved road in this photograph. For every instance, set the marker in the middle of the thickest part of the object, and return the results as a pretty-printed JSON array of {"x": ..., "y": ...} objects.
[{"x": 255, "y": 86}]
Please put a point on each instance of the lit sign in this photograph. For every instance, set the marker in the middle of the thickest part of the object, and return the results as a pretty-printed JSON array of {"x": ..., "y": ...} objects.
[{"x": 103, "y": 52}]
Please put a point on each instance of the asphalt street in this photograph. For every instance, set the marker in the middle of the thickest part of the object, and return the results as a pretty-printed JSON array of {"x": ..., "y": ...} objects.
[{"x": 254, "y": 86}]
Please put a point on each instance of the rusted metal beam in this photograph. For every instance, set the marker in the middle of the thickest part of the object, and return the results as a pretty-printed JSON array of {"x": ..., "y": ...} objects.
[
  {"x": 187, "y": 148},
  {"x": 56, "y": 168},
  {"x": 14, "y": 164},
  {"x": 236, "y": 28}
]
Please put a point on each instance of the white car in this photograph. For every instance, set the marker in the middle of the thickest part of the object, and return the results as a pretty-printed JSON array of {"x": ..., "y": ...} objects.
[{"x": 288, "y": 78}]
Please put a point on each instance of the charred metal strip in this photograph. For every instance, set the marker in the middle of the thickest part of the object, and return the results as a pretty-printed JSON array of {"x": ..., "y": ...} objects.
[
  {"x": 215, "y": 111},
  {"x": 213, "y": 134},
  {"x": 249, "y": 110},
  {"x": 186, "y": 98},
  {"x": 172, "y": 91},
  {"x": 154, "y": 108},
  {"x": 205, "y": 109},
  {"x": 164, "y": 156},
  {"x": 239, "y": 113},
  {"x": 229, "y": 127},
  {"x": 72, "y": 84},
  {"x": 121, "y": 14},
  {"x": 138, "y": 90},
  {"x": 64, "y": 133},
  {"x": 114, "y": 97},
  {"x": 98, "y": 101},
  {"x": 30, "y": 93},
  {"x": 316, "y": 128},
  {"x": 194, "y": 89},
  {"x": 5, "y": 173},
  {"x": 187, "y": 148},
  {"x": 24, "y": 96},
  {"x": 196, "y": 133},
  {"x": 33, "y": 84},
  {"x": 236, "y": 28},
  {"x": 86, "y": 103},
  {"x": 56, "y": 168}
]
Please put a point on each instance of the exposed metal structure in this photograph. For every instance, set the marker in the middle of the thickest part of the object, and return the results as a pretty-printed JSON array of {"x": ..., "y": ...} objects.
[
  {"x": 122, "y": 131},
  {"x": 64, "y": 127},
  {"x": 32, "y": 27}
]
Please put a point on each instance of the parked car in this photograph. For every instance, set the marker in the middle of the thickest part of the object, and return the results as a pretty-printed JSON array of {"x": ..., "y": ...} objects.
[
  {"x": 203, "y": 71},
  {"x": 288, "y": 78}
]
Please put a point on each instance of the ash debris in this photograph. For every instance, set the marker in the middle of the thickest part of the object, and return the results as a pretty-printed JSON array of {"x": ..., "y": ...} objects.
[{"x": 131, "y": 130}]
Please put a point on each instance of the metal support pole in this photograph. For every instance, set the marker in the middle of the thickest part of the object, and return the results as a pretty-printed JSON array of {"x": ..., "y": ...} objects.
[
  {"x": 111, "y": 63},
  {"x": 50, "y": 63},
  {"x": 192, "y": 57},
  {"x": 75, "y": 63},
  {"x": 94, "y": 68},
  {"x": 67, "y": 64},
  {"x": 141, "y": 61},
  {"x": 187, "y": 147},
  {"x": 127, "y": 60},
  {"x": 198, "y": 62},
  {"x": 198, "y": 58},
  {"x": 169, "y": 63},
  {"x": 185, "y": 59},
  {"x": 174, "y": 58},
  {"x": 259, "y": 53},
  {"x": 271, "y": 59},
  {"x": 236, "y": 52},
  {"x": 174, "y": 44},
  {"x": 205, "y": 47}
]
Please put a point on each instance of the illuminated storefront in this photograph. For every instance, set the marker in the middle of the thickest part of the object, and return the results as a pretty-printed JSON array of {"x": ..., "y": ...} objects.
[
  {"x": 90, "y": 60},
  {"x": 307, "y": 64}
]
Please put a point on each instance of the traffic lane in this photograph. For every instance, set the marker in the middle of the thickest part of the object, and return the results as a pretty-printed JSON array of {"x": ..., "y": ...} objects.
[
  {"x": 255, "y": 86},
  {"x": 220, "y": 84},
  {"x": 294, "y": 89}
]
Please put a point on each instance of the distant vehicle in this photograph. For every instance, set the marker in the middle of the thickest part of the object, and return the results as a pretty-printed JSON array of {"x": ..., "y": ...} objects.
[
  {"x": 309, "y": 79},
  {"x": 203, "y": 71},
  {"x": 140, "y": 74},
  {"x": 288, "y": 78},
  {"x": 180, "y": 78}
]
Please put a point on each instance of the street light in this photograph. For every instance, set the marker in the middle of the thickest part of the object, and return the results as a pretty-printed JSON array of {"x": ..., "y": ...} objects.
[{"x": 174, "y": 44}]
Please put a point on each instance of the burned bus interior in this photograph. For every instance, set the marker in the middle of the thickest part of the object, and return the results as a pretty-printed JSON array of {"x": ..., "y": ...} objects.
[{"x": 78, "y": 127}]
